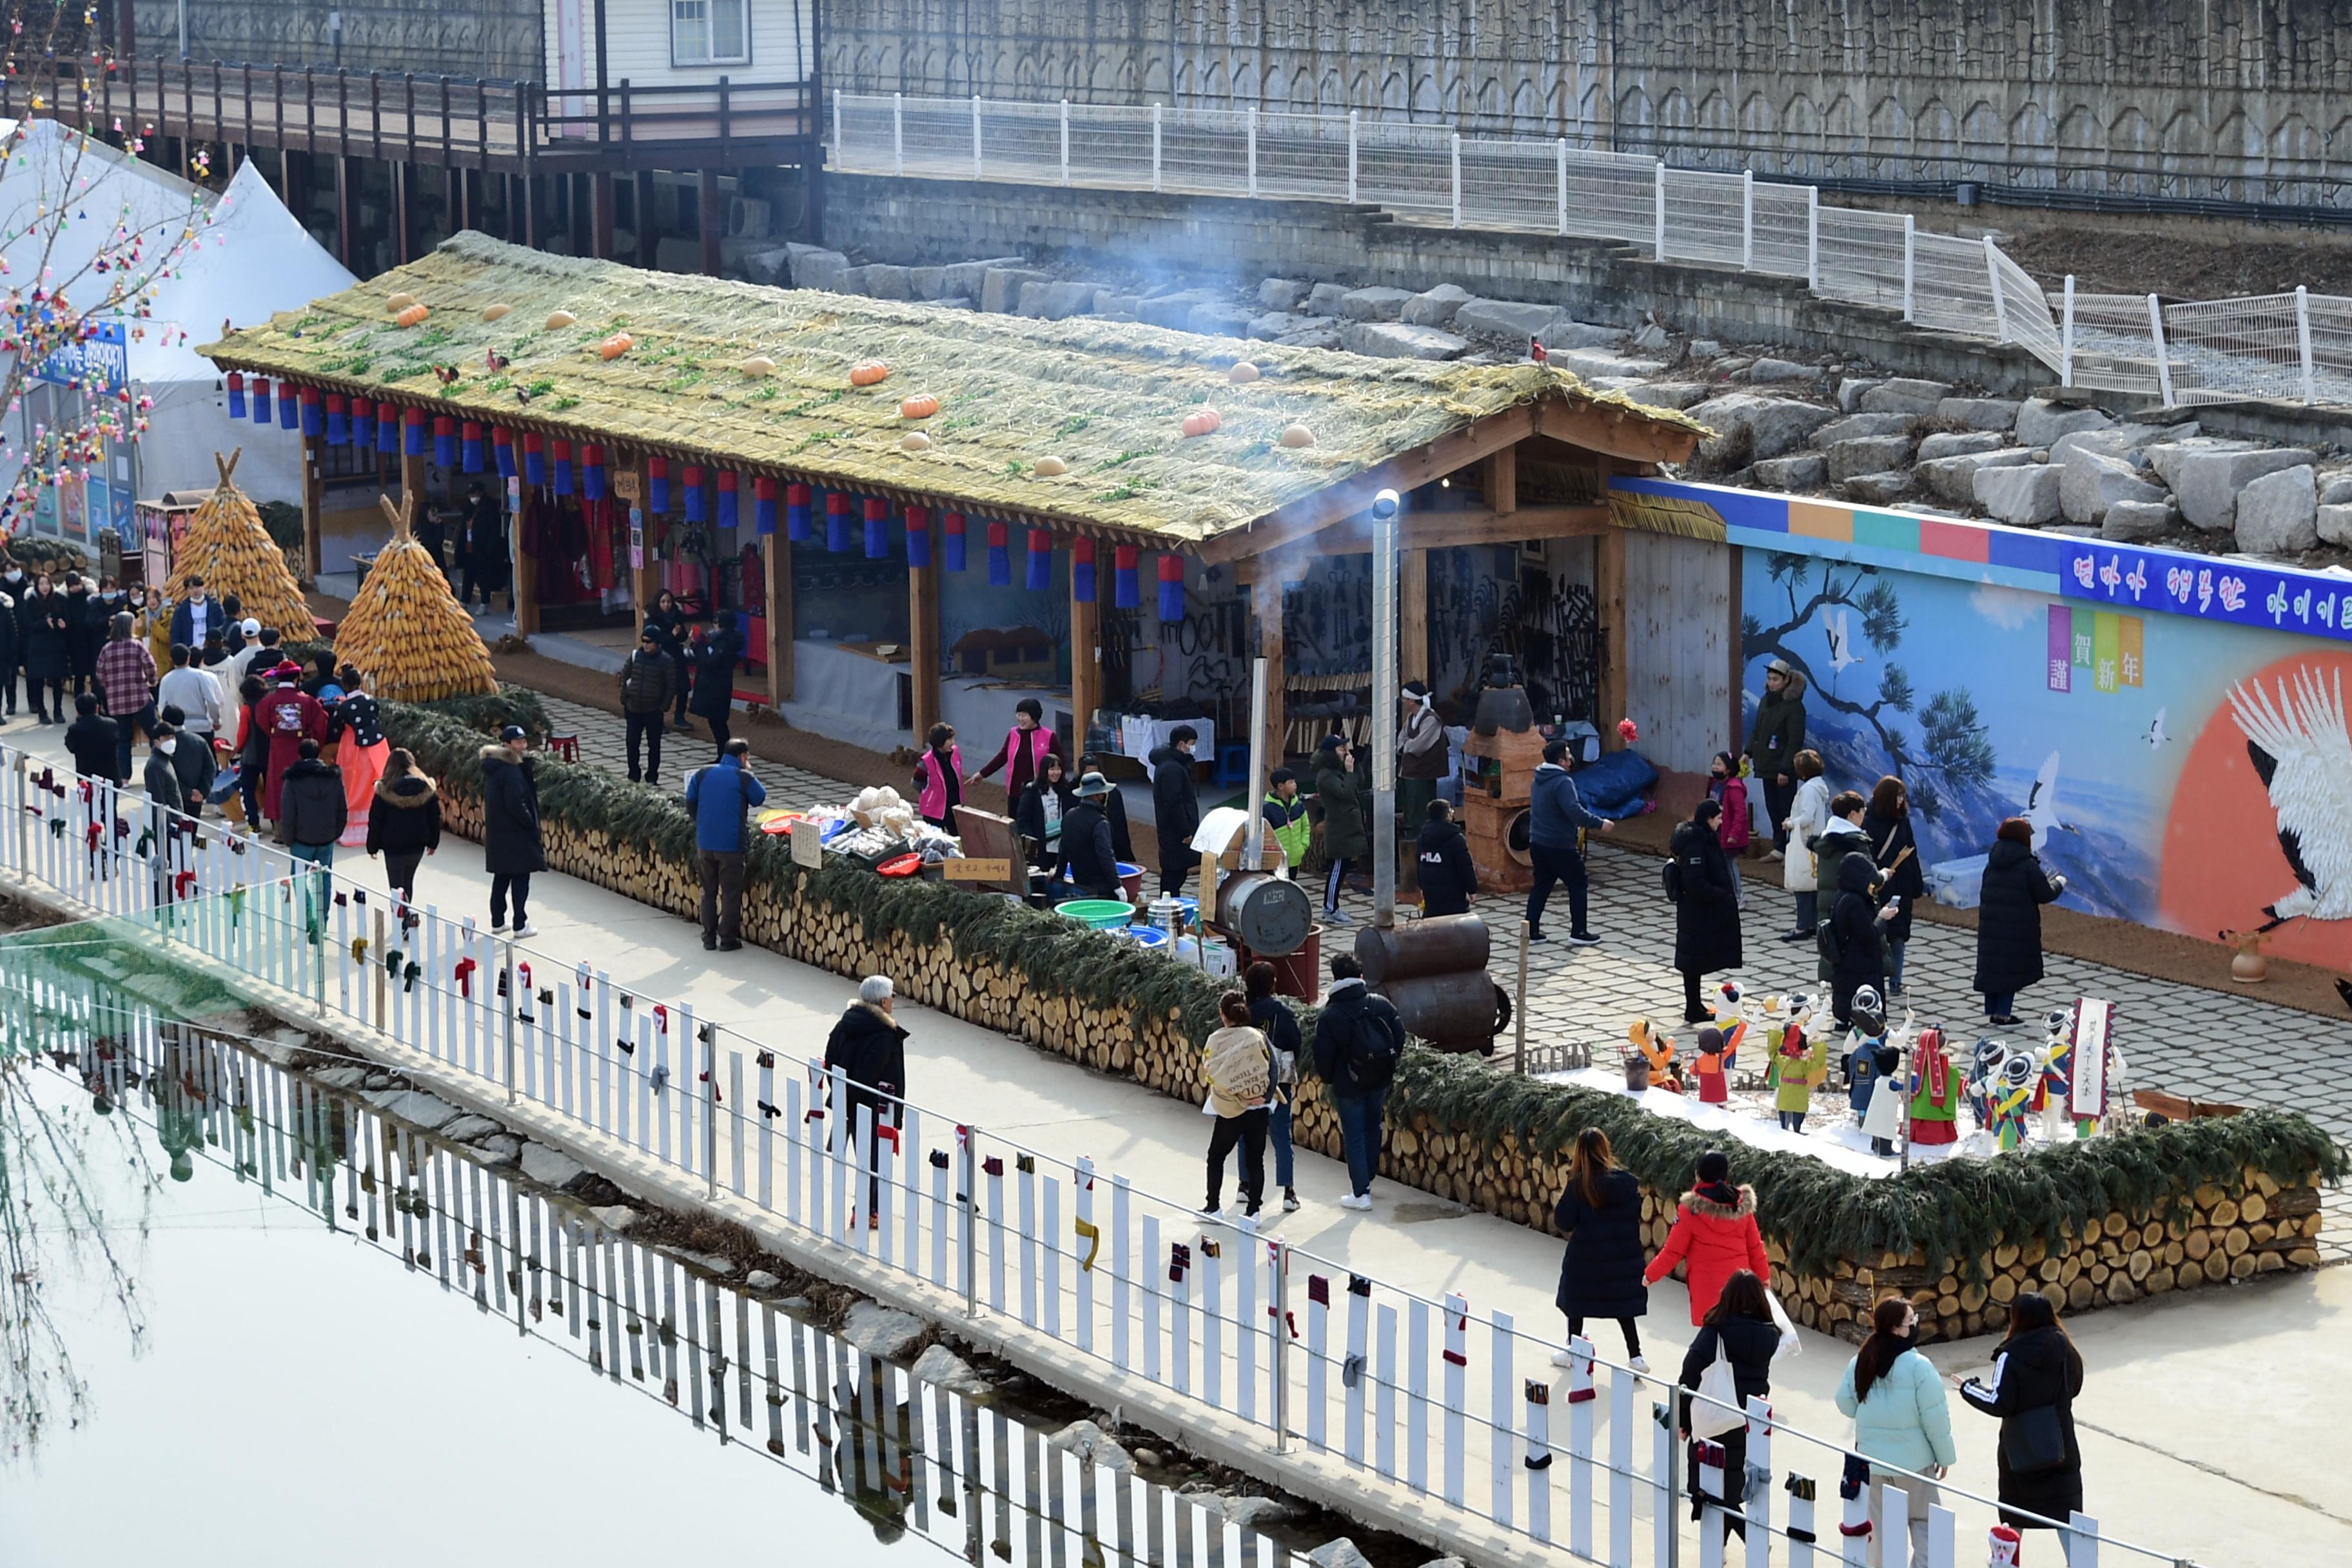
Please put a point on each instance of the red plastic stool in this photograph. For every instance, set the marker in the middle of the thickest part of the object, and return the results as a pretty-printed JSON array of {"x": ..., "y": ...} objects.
[{"x": 564, "y": 746}]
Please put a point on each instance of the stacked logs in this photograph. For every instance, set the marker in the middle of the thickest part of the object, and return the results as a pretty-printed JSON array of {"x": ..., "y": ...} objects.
[{"x": 2207, "y": 1237}]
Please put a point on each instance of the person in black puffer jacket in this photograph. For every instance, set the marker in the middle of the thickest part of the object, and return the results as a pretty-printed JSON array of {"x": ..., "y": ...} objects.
[
  {"x": 2009, "y": 920},
  {"x": 404, "y": 825},
  {"x": 868, "y": 1047},
  {"x": 1601, "y": 1271},
  {"x": 511, "y": 846},
  {"x": 1856, "y": 935},
  {"x": 2037, "y": 1375},
  {"x": 1741, "y": 1327},
  {"x": 715, "y": 658},
  {"x": 1895, "y": 848},
  {"x": 1442, "y": 863},
  {"x": 1707, "y": 910}
]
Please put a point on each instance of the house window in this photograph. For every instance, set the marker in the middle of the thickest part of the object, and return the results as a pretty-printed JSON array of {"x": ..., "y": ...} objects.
[{"x": 709, "y": 32}]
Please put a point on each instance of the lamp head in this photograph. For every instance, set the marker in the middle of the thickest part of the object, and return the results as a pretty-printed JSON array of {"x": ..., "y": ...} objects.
[{"x": 1385, "y": 504}]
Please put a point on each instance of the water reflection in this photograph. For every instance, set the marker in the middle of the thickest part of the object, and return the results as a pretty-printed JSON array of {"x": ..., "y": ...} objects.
[{"x": 914, "y": 1461}]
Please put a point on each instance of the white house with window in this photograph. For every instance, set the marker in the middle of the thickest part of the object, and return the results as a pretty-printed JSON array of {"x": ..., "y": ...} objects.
[{"x": 673, "y": 44}]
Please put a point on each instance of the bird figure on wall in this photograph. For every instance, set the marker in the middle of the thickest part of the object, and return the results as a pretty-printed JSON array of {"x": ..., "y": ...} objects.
[
  {"x": 2156, "y": 736},
  {"x": 1839, "y": 629},
  {"x": 2303, "y": 752},
  {"x": 2042, "y": 805}
]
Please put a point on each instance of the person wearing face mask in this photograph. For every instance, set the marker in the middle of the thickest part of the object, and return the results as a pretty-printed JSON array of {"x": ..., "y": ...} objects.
[
  {"x": 1902, "y": 1421},
  {"x": 86, "y": 624},
  {"x": 43, "y": 622},
  {"x": 1728, "y": 790},
  {"x": 162, "y": 776},
  {"x": 1423, "y": 761},
  {"x": 1043, "y": 805},
  {"x": 195, "y": 615}
]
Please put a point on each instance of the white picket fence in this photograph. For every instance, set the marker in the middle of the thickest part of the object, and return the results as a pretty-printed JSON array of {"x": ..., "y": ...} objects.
[
  {"x": 2296, "y": 347},
  {"x": 1214, "y": 1314}
]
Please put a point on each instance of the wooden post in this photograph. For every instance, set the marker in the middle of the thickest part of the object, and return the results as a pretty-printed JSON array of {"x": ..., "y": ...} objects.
[
  {"x": 1086, "y": 663},
  {"x": 601, "y": 222},
  {"x": 522, "y": 594},
  {"x": 713, "y": 224},
  {"x": 413, "y": 498},
  {"x": 1412, "y": 617},
  {"x": 641, "y": 219},
  {"x": 404, "y": 212},
  {"x": 645, "y": 581},
  {"x": 1608, "y": 596},
  {"x": 923, "y": 639},
  {"x": 314, "y": 495},
  {"x": 1266, "y": 603},
  {"x": 1503, "y": 480},
  {"x": 776, "y": 566},
  {"x": 347, "y": 239}
]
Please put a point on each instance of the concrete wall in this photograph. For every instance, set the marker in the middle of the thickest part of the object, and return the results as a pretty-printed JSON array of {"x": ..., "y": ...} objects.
[
  {"x": 935, "y": 221},
  {"x": 2233, "y": 98}
]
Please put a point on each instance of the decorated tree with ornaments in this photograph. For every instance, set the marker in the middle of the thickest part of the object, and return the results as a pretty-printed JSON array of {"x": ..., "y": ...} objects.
[{"x": 88, "y": 240}]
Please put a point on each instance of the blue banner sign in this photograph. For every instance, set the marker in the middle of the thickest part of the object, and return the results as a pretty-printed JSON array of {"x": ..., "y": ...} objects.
[
  {"x": 2317, "y": 602},
  {"x": 100, "y": 362}
]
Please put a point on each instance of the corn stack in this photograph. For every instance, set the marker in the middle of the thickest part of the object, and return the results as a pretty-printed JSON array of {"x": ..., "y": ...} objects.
[
  {"x": 406, "y": 632},
  {"x": 227, "y": 545}
]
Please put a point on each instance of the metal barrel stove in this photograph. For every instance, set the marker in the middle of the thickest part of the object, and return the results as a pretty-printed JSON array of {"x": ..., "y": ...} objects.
[{"x": 1434, "y": 971}]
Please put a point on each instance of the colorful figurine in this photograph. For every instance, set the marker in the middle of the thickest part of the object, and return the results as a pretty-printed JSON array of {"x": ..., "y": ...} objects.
[
  {"x": 1934, "y": 1092},
  {"x": 1800, "y": 1064},
  {"x": 1713, "y": 1067},
  {"x": 1731, "y": 1018},
  {"x": 1658, "y": 1047},
  {"x": 1870, "y": 1058}
]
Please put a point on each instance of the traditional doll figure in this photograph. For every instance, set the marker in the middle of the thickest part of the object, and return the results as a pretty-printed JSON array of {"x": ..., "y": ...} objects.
[
  {"x": 2005, "y": 1544},
  {"x": 1934, "y": 1092},
  {"x": 1731, "y": 1019},
  {"x": 1800, "y": 1064},
  {"x": 2016, "y": 1078},
  {"x": 1713, "y": 1067},
  {"x": 2051, "y": 1094},
  {"x": 1658, "y": 1047},
  {"x": 1870, "y": 1058}
]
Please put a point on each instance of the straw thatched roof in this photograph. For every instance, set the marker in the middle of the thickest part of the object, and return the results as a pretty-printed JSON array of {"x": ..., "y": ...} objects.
[{"x": 1107, "y": 398}]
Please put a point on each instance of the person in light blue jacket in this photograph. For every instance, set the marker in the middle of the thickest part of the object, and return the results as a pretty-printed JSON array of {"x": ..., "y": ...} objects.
[
  {"x": 1555, "y": 811},
  {"x": 1900, "y": 1421}
]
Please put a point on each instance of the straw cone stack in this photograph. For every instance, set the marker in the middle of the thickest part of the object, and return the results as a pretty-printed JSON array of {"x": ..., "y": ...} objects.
[
  {"x": 408, "y": 633},
  {"x": 227, "y": 546}
]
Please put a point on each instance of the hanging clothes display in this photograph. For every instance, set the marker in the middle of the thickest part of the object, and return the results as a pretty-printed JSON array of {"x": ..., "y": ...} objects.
[
  {"x": 603, "y": 548},
  {"x": 559, "y": 543}
]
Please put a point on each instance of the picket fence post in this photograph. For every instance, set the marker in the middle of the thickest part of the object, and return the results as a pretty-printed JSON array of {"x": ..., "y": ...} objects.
[{"x": 2156, "y": 334}]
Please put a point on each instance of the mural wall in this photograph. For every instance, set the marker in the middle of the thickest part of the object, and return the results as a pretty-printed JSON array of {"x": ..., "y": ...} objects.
[{"x": 2183, "y": 772}]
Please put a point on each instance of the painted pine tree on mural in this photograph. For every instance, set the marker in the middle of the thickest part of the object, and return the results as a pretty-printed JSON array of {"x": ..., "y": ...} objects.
[{"x": 1856, "y": 607}]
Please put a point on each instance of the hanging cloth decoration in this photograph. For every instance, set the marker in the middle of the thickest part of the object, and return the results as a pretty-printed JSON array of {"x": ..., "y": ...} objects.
[
  {"x": 878, "y": 521},
  {"x": 592, "y": 470},
  {"x": 1082, "y": 570},
  {"x": 412, "y": 442},
  {"x": 339, "y": 420},
  {"x": 836, "y": 523},
  {"x": 364, "y": 422},
  {"x": 919, "y": 537},
  {"x": 1124, "y": 594},
  {"x": 445, "y": 441},
  {"x": 1171, "y": 587},
  {"x": 657, "y": 487},
  {"x": 236, "y": 395},
  {"x": 559, "y": 452},
  {"x": 261, "y": 400},
  {"x": 797, "y": 513},
  {"x": 763, "y": 504},
  {"x": 1041, "y": 559},
  {"x": 290, "y": 417},
  {"x": 314, "y": 417},
  {"x": 469, "y": 445},
  {"x": 999, "y": 563},
  {"x": 692, "y": 480},
  {"x": 534, "y": 458},
  {"x": 387, "y": 427},
  {"x": 729, "y": 506},
  {"x": 951, "y": 540},
  {"x": 502, "y": 451}
]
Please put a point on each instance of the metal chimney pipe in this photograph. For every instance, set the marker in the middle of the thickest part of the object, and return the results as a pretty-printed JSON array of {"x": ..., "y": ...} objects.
[
  {"x": 1254, "y": 844},
  {"x": 1384, "y": 704}
]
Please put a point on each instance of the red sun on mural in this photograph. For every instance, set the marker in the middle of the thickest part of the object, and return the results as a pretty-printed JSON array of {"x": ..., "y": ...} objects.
[{"x": 2261, "y": 828}]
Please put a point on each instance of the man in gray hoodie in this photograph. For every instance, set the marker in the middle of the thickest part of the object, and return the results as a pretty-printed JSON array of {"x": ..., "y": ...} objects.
[{"x": 1555, "y": 811}]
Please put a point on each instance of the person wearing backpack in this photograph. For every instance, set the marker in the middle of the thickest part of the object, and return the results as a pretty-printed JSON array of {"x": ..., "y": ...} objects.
[
  {"x": 2037, "y": 1375},
  {"x": 1357, "y": 1039},
  {"x": 1706, "y": 904},
  {"x": 1239, "y": 1066}
]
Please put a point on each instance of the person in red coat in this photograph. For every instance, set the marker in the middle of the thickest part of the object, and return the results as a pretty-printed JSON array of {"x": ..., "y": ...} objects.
[
  {"x": 287, "y": 717},
  {"x": 1715, "y": 1231}
]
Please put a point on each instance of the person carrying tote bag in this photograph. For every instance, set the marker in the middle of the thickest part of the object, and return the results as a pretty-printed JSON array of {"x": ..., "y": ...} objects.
[
  {"x": 2037, "y": 1374},
  {"x": 1729, "y": 1363}
]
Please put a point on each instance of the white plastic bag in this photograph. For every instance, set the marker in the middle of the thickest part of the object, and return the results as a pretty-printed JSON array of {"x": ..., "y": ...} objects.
[{"x": 1791, "y": 1346}]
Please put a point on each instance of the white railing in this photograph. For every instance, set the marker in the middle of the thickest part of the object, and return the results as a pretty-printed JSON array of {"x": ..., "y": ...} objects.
[
  {"x": 2223, "y": 349},
  {"x": 1464, "y": 1412}
]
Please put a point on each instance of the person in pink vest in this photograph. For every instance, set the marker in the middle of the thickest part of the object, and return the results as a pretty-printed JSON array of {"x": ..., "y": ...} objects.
[
  {"x": 1023, "y": 756},
  {"x": 938, "y": 778}
]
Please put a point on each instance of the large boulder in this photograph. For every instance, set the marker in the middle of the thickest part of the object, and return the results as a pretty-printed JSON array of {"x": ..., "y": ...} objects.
[
  {"x": 930, "y": 283},
  {"x": 1852, "y": 391},
  {"x": 1855, "y": 426},
  {"x": 1506, "y": 319},
  {"x": 1673, "y": 393},
  {"x": 1781, "y": 369},
  {"x": 2132, "y": 443},
  {"x": 813, "y": 265},
  {"x": 1273, "y": 324},
  {"x": 1977, "y": 413},
  {"x": 1434, "y": 307},
  {"x": 1905, "y": 396},
  {"x": 2024, "y": 496},
  {"x": 2208, "y": 483},
  {"x": 1802, "y": 471},
  {"x": 1055, "y": 301},
  {"x": 999, "y": 287},
  {"x": 2335, "y": 522},
  {"x": 1597, "y": 364},
  {"x": 1958, "y": 443},
  {"x": 969, "y": 279},
  {"x": 1172, "y": 309},
  {"x": 1395, "y": 339},
  {"x": 1773, "y": 426},
  {"x": 2335, "y": 489},
  {"x": 2278, "y": 514},
  {"x": 1319, "y": 332},
  {"x": 885, "y": 281},
  {"x": 1866, "y": 454},
  {"x": 2167, "y": 457},
  {"x": 2091, "y": 483},
  {"x": 2138, "y": 522},
  {"x": 1377, "y": 304},
  {"x": 1323, "y": 300},
  {"x": 1952, "y": 479},
  {"x": 1879, "y": 489},
  {"x": 2040, "y": 421},
  {"x": 1218, "y": 320},
  {"x": 1282, "y": 293}
]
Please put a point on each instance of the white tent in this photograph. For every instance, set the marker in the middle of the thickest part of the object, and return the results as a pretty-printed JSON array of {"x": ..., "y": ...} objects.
[{"x": 248, "y": 259}]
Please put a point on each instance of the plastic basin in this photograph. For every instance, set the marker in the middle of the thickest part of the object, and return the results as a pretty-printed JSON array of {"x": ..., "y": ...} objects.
[
  {"x": 1103, "y": 914},
  {"x": 1150, "y": 937}
]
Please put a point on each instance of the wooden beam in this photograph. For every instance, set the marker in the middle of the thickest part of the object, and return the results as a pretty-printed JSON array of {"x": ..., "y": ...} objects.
[
  {"x": 1405, "y": 472},
  {"x": 1503, "y": 480},
  {"x": 1085, "y": 666},
  {"x": 1433, "y": 531},
  {"x": 644, "y": 580},
  {"x": 314, "y": 497},
  {"x": 923, "y": 643},
  {"x": 713, "y": 222},
  {"x": 1266, "y": 602},
  {"x": 1412, "y": 617},
  {"x": 524, "y": 591},
  {"x": 1608, "y": 596},
  {"x": 641, "y": 219},
  {"x": 776, "y": 570},
  {"x": 1615, "y": 431},
  {"x": 600, "y": 222}
]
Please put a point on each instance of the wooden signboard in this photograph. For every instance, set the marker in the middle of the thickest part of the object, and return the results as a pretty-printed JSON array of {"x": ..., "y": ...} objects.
[
  {"x": 969, "y": 868},
  {"x": 808, "y": 845},
  {"x": 624, "y": 484}
]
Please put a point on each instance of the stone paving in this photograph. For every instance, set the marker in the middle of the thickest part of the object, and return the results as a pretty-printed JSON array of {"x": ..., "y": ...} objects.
[{"x": 2210, "y": 1044}]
